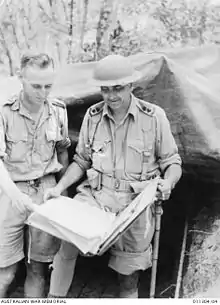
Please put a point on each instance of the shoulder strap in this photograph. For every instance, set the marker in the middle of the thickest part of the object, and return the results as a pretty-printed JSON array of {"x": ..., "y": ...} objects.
[
  {"x": 11, "y": 100},
  {"x": 96, "y": 109},
  {"x": 58, "y": 103},
  {"x": 95, "y": 112},
  {"x": 146, "y": 107}
]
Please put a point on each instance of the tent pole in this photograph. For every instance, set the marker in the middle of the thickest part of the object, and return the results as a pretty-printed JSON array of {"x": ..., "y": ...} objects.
[
  {"x": 181, "y": 262},
  {"x": 158, "y": 212}
]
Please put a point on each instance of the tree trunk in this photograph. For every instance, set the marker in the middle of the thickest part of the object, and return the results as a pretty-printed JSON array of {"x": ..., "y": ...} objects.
[
  {"x": 84, "y": 21},
  {"x": 7, "y": 52},
  {"x": 64, "y": 9},
  {"x": 69, "y": 58},
  {"x": 104, "y": 28},
  {"x": 14, "y": 29},
  {"x": 202, "y": 27}
]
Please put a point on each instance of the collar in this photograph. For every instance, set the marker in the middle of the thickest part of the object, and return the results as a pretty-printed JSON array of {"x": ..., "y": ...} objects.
[
  {"x": 17, "y": 105},
  {"x": 132, "y": 110}
]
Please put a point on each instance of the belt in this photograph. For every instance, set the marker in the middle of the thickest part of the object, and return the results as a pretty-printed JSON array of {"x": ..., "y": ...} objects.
[
  {"x": 120, "y": 185},
  {"x": 34, "y": 182}
]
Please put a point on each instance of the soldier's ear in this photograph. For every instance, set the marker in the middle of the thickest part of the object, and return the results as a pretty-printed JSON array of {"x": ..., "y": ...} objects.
[{"x": 131, "y": 86}]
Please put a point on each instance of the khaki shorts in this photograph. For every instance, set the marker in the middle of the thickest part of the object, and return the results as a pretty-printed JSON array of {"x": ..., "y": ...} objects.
[
  {"x": 131, "y": 252},
  {"x": 40, "y": 246}
]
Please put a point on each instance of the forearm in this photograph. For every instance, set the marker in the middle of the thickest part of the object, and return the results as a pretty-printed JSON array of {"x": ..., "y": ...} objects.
[
  {"x": 7, "y": 184},
  {"x": 63, "y": 159},
  {"x": 173, "y": 174},
  {"x": 72, "y": 175}
]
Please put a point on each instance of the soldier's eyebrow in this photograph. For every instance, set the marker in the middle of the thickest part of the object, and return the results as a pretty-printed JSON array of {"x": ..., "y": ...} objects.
[
  {"x": 104, "y": 89},
  {"x": 38, "y": 86},
  {"x": 118, "y": 87}
]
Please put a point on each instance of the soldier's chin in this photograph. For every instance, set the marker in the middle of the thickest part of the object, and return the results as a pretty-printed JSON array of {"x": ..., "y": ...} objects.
[
  {"x": 114, "y": 105},
  {"x": 39, "y": 100}
]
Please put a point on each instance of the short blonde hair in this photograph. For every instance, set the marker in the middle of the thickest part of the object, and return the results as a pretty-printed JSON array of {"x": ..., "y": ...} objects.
[{"x": 42, "y": 60}]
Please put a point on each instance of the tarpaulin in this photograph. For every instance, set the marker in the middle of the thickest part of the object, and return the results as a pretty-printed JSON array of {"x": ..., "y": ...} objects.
[{"x": 184, "y": 82}]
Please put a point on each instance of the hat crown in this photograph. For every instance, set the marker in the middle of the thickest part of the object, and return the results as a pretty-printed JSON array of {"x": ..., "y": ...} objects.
[{"x": 113, "y": 67}]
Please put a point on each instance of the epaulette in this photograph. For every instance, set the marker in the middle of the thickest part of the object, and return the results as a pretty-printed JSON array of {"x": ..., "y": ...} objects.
[
  {"x": 146, "y": 107},
  {"x": 11, "y": 100},
  {"x": 58, "y": 103},
  {"x": 97, "y": 108}
]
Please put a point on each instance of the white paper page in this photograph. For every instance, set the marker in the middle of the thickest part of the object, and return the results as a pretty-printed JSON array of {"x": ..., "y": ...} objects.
[
  {"x": 84, "y": 244},
  {"x": 79, "y": 217},
  {"x": 142, "y": 201},
  {"x": 86, "y": 226}
]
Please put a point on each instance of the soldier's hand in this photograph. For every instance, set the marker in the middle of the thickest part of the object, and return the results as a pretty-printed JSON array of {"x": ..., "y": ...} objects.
[
  {"x": 51, "y": 193},
  {"x": 23, "y": 202},
  {"x": 164, "y": 189},
  {"x": 65, "y": 193}
]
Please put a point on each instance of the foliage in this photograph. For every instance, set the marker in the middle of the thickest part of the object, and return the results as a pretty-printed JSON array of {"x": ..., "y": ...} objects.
[{"x": 76, "y": 30}]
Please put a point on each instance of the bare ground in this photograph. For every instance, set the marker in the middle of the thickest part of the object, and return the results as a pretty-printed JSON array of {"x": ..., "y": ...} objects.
[{"x": 202, "y": 277}]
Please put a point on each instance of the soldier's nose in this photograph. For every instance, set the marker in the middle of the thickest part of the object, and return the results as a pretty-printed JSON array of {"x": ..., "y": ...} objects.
[
  {"x": 43, "y": 93},
  {"x": 112, "y": 96}
]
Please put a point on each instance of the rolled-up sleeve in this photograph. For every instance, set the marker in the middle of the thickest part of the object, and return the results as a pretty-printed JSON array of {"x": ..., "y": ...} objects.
[
  {"x": 82, "y": 153},
  {"x": 167, "y": 150},
  {"x": 2, "y": 137},
  {"x": 64, "y": 142}
]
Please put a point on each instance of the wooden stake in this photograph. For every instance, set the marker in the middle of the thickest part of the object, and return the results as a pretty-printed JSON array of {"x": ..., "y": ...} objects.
[
  {"x": 158, "y": 212},
  {"x": 180, "y": 269}
]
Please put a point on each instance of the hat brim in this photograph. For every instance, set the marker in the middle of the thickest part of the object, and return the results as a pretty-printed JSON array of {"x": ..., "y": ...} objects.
[{"x": 116, "y": 82}]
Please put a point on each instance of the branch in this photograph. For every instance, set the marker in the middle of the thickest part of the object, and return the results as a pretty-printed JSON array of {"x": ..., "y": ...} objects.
[
  {"x": 172, "y": 285},
  {"x": 199, "y": 231}
]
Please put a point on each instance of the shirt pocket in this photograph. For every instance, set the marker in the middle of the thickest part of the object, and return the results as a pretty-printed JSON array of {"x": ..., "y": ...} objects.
[
  {"x": 101, "y": 153},
  {"x": 47, "y": 148},
  {"x": 134, "y": 157},
  {"x": 149, "y": 142},
  {"x": 16, "y": 147},
  {"x": 149, "y": 136}
]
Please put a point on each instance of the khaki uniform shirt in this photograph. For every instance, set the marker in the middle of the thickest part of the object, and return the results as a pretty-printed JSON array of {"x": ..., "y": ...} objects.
[
  {"x": 129, "y": 153},
  {"x": 30, "y": 151},
  {"x": 141, "y": 145}
]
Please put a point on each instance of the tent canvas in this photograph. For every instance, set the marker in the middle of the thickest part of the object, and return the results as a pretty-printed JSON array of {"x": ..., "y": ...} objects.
[{"x": 184, "y": 82}]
